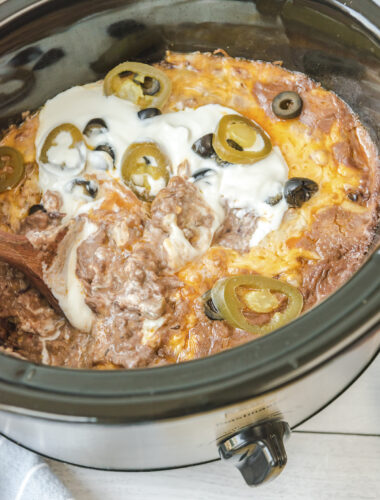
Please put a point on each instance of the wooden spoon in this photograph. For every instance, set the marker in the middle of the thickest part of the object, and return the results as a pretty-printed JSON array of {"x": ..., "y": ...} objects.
[{"x": 17, "y": 251}]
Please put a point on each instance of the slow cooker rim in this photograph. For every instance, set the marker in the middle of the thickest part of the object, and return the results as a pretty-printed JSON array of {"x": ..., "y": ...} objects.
[
  {"x": 20, "y": 378},
  {"x": 363, "y": 14}
]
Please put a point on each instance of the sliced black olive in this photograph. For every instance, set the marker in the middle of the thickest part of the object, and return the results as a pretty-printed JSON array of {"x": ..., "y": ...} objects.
[
  {"x": 234, "y": 145},
  {"x": 150, "y": 86},
  {"x": 273, "y": 200},
  {"x": 25, "y": 56},
  {"x": 287, "y": 105},
  {"x": 297, "y": 190},
  {"x": 89, "y": 187},
  {"x": 353, "y": 196},
  {"x": 202, "y": 173},
  {"x": 36, "y": 208},
  {"x": 143, "y": 114},
  {"x": 203, "y": 147},
  {"x": 107, "y": 149},
  {"x": 50, "y": 57},
  {"x": 210, "y": 308},
  {"x": 94, "y": 127}
]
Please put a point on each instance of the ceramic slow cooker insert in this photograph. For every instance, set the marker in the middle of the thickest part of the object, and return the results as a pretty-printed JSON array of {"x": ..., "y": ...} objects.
[{"x": 242, "y": 403}]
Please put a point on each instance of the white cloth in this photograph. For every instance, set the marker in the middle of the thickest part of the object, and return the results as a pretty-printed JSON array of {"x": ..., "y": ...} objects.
[{"x": 25, "y": 476}]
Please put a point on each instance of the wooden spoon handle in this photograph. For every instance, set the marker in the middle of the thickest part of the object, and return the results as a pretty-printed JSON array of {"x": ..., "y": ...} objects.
[{"x": 17, "y": 251}]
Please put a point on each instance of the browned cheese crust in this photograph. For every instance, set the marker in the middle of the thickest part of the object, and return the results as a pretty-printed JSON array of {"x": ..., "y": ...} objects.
[{"x": 317, "y": 248}]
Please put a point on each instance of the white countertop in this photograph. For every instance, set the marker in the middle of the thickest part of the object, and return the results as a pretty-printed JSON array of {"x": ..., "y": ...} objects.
[{"x": 335, "y": 455}]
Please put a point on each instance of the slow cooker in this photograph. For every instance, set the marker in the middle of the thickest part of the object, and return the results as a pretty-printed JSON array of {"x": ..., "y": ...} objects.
[{"x": 240, "y": 404}]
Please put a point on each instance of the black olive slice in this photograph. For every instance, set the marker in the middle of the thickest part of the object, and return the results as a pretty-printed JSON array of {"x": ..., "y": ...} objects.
[
  {"x": 297, "y": 190},
  {"x": 94, "y": 127},
  {"x": 287, "y": 105},
  {"x": 89, "y": 187},
  {"x": 203, "y": 146},
  {"x": 273, "y": 200},
  {"x": 143, "y": 114},
  {"x": 151, "y": 86},
  {"x": 107, "y": 149},
  {"x": 358, "y": 196},
  {"x": 210, "y": 308},
  {"x": 202, "y": 173},
  {"x": 36, "y": 208},
  {"x": 353, "y": 196}
]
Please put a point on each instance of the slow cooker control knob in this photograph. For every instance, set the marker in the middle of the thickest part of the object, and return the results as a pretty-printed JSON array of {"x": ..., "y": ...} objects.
[{"x": 258, "y": 452}]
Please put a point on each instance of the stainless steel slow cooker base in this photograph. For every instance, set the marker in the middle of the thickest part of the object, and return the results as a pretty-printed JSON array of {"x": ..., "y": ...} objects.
[
  {"x": 239, "y": 403},
  {"x": 188, "y": 440}
]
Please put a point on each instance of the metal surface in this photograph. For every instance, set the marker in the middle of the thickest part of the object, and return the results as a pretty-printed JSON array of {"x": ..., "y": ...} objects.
[{"x": 176, "y": 415}]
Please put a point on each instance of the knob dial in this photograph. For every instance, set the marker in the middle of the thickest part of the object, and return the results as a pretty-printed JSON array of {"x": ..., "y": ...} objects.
[{"x": 258, "y": 452}]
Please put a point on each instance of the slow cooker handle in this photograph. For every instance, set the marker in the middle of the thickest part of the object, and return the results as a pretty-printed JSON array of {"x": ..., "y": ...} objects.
[{"x": 258, "y": 452}]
